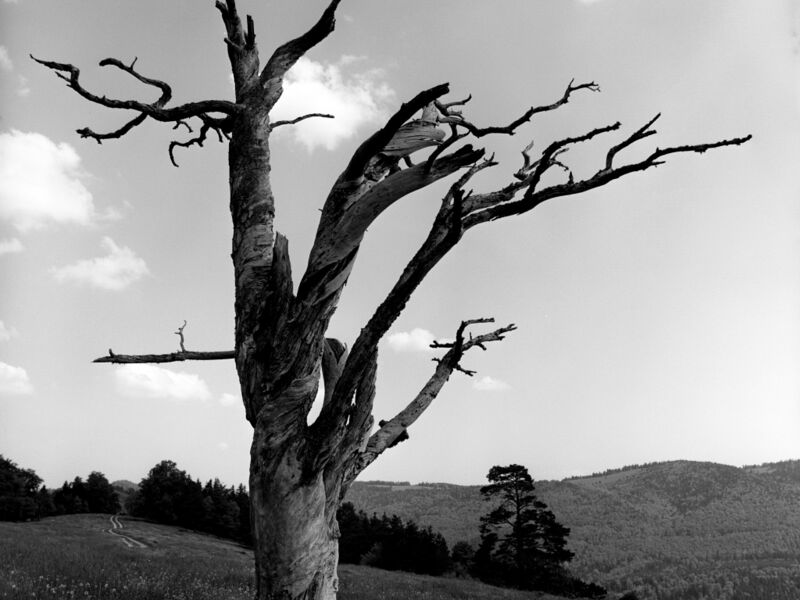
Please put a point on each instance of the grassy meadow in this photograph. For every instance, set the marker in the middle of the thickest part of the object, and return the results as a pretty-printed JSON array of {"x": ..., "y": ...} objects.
[{"x": 74, "y": 556}]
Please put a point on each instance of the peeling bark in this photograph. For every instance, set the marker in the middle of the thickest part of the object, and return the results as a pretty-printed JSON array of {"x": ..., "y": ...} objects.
[{"x": 295, "y": 537}]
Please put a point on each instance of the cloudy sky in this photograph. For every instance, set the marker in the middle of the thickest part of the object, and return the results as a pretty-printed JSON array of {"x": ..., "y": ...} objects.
[{"x": 659, "y": 317}]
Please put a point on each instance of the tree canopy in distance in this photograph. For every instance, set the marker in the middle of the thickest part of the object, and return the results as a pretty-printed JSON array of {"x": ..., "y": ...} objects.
[{"x": 300, "y": 471}]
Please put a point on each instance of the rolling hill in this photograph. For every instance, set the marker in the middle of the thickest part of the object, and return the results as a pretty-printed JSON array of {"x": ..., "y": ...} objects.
[
  {"x": 81, "y": 556},
  {"x": 673, "y": 530}
]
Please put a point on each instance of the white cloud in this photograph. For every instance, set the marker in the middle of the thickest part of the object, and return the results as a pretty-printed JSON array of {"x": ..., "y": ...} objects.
[
  {"x": 115, "y": 271},
  {"x": 489, "y": 384},
  {"x": 416, "y": 340},
  {"x": 14, "y": 380},
  {"x": 354, "y": 99},
  {"x": 6, "y": 333},
  {"x": 10, "y": 246},
  {"x": 6, "y": 64},
  {"x": 223, "y": 446},
  {"x": 228, "y": 399},
  {"x": 41, "y": 183},
  {"x": 156, "y": 382}
]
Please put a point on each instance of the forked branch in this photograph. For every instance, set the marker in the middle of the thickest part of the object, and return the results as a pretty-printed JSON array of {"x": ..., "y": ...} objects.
[
  {"x": 443, "y": 236},
  {"x": 481, "y": 208},
  {"x": 395, "y": 427},
  {"x": 460, "y": 345},
  {"x": 462, "y": 210},
  {"x": 454, "y": 116},
  {"x": 220, "y": 126},
  {"x": 156, "y": 110}
]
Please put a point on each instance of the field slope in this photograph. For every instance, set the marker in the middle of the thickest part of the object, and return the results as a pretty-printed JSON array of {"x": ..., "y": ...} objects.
[{"x": 76, "y": 556}]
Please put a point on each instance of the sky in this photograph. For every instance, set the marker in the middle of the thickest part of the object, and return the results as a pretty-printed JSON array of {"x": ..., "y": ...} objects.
[{"x": 658, "y": 317}]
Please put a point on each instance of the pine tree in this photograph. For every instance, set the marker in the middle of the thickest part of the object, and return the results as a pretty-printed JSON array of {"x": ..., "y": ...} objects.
[{"x": 521, "y": 541}]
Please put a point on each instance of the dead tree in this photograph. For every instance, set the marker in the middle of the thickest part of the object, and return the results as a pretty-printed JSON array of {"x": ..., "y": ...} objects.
[{"x": 299, "y": 472}]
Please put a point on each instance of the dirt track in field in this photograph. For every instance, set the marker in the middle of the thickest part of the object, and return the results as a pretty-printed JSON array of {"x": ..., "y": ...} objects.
[{"x": 116, "y": 526}]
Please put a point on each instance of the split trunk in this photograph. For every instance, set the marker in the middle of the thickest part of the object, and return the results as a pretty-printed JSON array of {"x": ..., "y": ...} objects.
[{"x": 293, "y": 518}]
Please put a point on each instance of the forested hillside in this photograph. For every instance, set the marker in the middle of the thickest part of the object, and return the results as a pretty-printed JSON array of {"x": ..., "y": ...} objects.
[{"x": 675, "y": 530}]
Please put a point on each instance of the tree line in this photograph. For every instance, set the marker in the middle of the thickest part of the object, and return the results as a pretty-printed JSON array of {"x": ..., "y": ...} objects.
[
  {"x": 522, "y": 544},
  {"x": 24, "y": 498},
  {"x": 387, "y": 542},
  {"x": 169, "y": 495}
]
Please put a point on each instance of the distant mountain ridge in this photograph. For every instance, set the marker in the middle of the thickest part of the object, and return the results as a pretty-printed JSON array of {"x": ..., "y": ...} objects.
[
  {"x": 124, "y": 489},
  {"x": 682, "y": 529},
  {"x": 125, "y": 484}
]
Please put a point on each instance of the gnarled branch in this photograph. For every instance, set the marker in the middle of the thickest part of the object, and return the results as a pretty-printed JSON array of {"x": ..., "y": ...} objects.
[
  {"x": 220, "y": 126},
  {"x": 275, "y": 124},
  {"x": 394, "y": 428},
  {"x": 85, "y": 132},
  {"x": 445, "y": 233},
  {"x": 166, "y": 90},
  {"x": 490, "y": 206},
  {"x": 154, "y": 110},
  {"x": 461, "y": 211},
  {"x": 449, "y": 115},
  {"x": 356, "y": 201},
  {"x": 288, "y": 54}
]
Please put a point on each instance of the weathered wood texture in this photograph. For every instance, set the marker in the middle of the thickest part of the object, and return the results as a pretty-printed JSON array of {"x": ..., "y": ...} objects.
[{"x": 122, "y": 359}]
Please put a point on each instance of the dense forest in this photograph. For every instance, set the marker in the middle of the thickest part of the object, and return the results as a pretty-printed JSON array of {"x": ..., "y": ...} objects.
[
  {"x": 667, "y": 531},
  {"x": 388, "y": 542},
  {"x": 169, "y": 495}
]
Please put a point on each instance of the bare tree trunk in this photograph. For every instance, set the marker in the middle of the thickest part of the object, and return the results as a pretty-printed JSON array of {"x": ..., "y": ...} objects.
[
  {"x": 278, "y": 360},
  {"x": 296, "y": 549},
  {"x": 294, "y": 537}
]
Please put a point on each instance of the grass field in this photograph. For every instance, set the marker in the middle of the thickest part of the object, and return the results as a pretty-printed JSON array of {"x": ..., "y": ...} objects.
[{"x": 75, "y": 557}]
